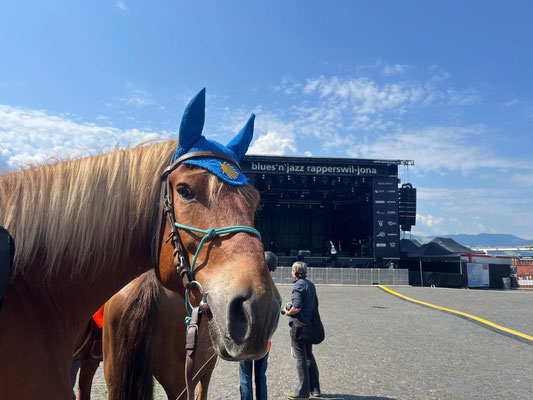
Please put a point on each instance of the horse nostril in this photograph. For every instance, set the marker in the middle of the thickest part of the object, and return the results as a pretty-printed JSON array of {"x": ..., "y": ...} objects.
[{"x": 238, "y": 318}]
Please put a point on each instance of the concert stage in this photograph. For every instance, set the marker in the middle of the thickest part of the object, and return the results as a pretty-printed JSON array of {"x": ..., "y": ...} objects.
[{"x": 310, "y": 205}]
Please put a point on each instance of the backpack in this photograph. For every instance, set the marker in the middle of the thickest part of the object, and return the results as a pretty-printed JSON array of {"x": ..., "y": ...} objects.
[
  {"x": 7, "y": 252},
  {"x": 309, "y": 332}
]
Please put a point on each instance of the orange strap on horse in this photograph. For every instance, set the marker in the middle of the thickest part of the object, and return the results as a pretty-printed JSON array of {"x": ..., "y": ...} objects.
[{"x": 99, "y": 317}]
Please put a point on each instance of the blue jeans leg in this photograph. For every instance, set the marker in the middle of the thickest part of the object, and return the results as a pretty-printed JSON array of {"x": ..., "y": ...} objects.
[
  {"x": 245, "y": 374},
  {"x": 260, "y": 367}
]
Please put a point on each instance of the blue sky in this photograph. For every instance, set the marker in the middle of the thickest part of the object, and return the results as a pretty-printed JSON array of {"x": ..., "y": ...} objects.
[{"x": 446, "y": 84}]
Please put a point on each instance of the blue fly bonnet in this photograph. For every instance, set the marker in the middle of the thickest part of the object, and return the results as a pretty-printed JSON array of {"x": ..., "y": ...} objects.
[{"x": 192, "y": 140}]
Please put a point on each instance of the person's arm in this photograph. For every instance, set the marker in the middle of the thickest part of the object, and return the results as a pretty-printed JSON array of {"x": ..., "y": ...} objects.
[
  {"x": 297, "y": 300},
  {"x": 293, "y": 311}
]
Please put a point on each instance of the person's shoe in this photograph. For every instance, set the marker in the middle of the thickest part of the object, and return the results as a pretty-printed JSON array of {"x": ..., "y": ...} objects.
[
  {"x": 292, "y": 396},
  {"x": 315, "y": 394}
]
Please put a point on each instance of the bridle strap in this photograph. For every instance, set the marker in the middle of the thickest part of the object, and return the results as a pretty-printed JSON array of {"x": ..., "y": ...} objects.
[
  {"x": 190, "y": 350},
  {"x": 166, "y": 211},
  {"x": 201, "y": 154},
  {"x": 181, "y": 263},
  {"x": 192, "y": 381}
]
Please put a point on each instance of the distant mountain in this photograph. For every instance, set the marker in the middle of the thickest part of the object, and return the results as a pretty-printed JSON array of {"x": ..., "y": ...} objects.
[
  {"x": 482, "y": 240},
  {"x": 490, "y": 240}
]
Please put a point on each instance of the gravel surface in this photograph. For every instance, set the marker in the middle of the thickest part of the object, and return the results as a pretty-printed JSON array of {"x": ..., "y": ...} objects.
[{"x": 380, "y": 347}]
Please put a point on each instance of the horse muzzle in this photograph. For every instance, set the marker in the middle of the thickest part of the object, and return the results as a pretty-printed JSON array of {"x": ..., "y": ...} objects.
[{"x": 243, "y": 327}]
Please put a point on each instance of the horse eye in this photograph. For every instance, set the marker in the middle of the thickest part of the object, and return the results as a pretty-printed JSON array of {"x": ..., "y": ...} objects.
[{"x": 185, "y": 192}]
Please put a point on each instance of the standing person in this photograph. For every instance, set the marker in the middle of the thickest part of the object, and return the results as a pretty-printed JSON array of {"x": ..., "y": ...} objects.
[
  {"x": 259, "y": 366},
  {"x": 245, "y": 374},
  {"x": 303, "y": 308}
]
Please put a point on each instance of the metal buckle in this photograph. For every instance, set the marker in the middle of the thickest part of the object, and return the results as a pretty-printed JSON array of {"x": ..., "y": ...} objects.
[
  {"x": 202, "y": 291},
  {"x": 204, "y": 306}
]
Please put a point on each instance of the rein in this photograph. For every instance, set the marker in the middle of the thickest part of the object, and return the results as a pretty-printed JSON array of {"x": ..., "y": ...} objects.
[{"x": 181, "y": 264}]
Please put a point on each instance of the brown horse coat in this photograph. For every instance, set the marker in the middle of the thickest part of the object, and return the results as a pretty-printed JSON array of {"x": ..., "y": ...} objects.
[
  {"x": 83, "y": 230},
  {"x": 145, "y": 325}
]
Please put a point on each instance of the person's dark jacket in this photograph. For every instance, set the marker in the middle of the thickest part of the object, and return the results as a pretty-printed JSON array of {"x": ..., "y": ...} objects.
[{"x": 303, "y": 297}]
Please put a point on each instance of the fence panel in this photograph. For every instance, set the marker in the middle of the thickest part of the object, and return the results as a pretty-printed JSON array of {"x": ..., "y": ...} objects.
[
  {"x": 525, "y": 281},
  {"x": 364, "y": 276},
  {"x": 347, "y": 276}
]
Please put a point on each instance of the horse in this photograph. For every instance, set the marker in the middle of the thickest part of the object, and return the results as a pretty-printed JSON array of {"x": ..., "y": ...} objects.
[
  {"x": 146, "y": 325},
  {"x": 84, "y": 229},
  {"x": 144, "y": 337}
]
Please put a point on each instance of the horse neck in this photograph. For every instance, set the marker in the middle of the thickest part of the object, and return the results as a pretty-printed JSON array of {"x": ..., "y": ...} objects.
[
  {"x": 73, "y": 301},
  {"x": 93, "y": 237}
]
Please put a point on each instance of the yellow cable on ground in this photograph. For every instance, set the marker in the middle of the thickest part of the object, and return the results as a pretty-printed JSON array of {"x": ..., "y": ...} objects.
[{"x": 480, "y": 321}]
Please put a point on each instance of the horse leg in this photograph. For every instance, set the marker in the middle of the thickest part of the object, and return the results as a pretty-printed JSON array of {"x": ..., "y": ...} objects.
[
  {"x": 204, "y": 385},
  {"x": 88, "y": 368}
]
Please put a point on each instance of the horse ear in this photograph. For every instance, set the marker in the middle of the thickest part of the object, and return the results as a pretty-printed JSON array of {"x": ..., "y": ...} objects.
[
  {"x": 239, "y": 144},
  {"x": 192, "y": 122}
]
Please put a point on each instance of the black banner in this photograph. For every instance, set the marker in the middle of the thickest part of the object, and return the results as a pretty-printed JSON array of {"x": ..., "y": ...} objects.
[
  {"x": 386, "y": 229},
  {"x": 317, "y": 166}
]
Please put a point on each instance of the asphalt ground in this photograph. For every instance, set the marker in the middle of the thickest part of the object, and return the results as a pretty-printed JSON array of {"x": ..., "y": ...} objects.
[{"x": 379, "y": 346}]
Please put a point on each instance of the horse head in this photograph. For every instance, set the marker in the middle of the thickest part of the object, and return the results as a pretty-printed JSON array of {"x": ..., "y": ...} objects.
[{"x": 210, "y": 193}]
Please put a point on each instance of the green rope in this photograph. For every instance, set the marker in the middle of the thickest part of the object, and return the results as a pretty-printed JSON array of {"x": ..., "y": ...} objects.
[{"x": 208, "y": 234}]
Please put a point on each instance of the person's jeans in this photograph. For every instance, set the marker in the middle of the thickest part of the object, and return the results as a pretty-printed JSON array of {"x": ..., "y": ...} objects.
[
  {"x": 308, "y": 377},
  {"x": 245, "y": 373}
]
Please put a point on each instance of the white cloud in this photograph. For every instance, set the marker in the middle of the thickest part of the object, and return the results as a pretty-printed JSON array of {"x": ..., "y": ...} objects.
[
  {"x": 523, "y": 179},
  {"x": 366, "y": 96},
  {"x": 464, "y": 97},
  {"x": 121, "y": 5},
  {"x": 273, "y": 143},
  {"x": 32, "y": 136},
  {"x": 429, "y": 220},
  {"x": 472, "y": 210},
  {"x": 137, "y": 97},
  {"x": 395, "y": 69},
  {"x": 512, "y": 102},
  {"x": 328, "y": 106},
  {"x": 437, "y": 149},
  {"x": 359, "y": 117}
]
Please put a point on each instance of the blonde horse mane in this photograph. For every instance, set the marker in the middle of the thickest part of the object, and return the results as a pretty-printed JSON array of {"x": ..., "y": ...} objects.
[
  {"x": 88, "y": 212},
  {"x": 84, "y": 210}
]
